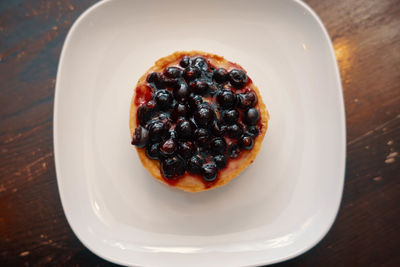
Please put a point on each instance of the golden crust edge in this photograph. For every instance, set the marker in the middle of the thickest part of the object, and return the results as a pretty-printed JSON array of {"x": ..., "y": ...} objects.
[{"x": 191, "y": 183}]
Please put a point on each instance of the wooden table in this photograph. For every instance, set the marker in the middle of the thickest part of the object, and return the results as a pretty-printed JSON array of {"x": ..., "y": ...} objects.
[{"x": 366, "y": 38}]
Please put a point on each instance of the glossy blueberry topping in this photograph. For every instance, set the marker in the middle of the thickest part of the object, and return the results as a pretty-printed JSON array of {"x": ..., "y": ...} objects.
[
  {"x": 191, "y": 73},
  {"x": 251, "y": 116},
  {"x": 140, "y": 137},
  {"x": 185, "y": 62},
  {"x": 194, "y": 164},
  {"x": 184, "y": 129},
  {"x": 230, "y": 116},
  {"x": 201, "y": 63},
  {"x": 220, "y": 161},
  {"x": 233, "y": 151},
  {"x": 197, "y": 118},
  {"x": 156, "y": 79},
  {"x": 172, "y": 167},
  {"x": 220, "y": 75},
  {"x": 247, "y": 100},
  {"x": 194, "y": 101},
  {"x": 186, "y": 149},
  {"x": 226, "y": 99},
  {"x": 217, "y": 129},
  {"x": 246, "y": 142},
  {"x": 252, "y": 131},
  {"x": 237, "y": 78},
  {"x": 201, "y": 136},
  {"x": 181, "y": 92},
  {"x": 173, "y": 72},
  {"x": 180, "y": 110},
  {"x": 163, "y": 99},
  {"x": 168, "y": 147},
  {"x": 218, "y": 145},
  {"x": 204, "y": 115},
  {"x": 209, "y": 172},
  {"x": 199, "y": 87},
  {"x": 235, "y": 131},
  {"x": 153, "y": 151},
  {"x": 158, "y": 130}
]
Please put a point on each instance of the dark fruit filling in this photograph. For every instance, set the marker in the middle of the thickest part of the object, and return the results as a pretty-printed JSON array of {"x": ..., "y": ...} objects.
[
  {"x": 191, "y": 73},
  {"x": 237, "y": 78},
  {"x": 197, "y": 118},
  {"x": 140, "y": 137},
  {"x": 226, "y": 99},
  {"x": 163, "y": 99},
  {"x": 220, "y": 75},
  {"x": 246, "y": 142},
  {"x": 194, "y": 165},
  {"x": 173, "y": 167},
  {"x": 153, "y": 151},
  {"x": 209, "y": 172},
  {"x": 220, "y": 161},
  {"x": 204, "y": 115}
]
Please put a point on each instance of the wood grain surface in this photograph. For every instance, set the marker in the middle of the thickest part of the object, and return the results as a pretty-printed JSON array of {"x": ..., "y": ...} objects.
[{"x": 33, "y": 228}]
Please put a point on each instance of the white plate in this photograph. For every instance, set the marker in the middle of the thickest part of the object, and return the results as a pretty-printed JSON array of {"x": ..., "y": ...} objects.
[{"x": 281, "y": 206}]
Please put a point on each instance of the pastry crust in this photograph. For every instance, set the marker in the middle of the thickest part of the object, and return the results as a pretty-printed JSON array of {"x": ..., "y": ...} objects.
[{"x": 190, "y": 182}]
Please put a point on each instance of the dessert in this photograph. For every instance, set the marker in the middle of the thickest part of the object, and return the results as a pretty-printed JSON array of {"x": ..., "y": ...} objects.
[{"x": 197, "y": 120}]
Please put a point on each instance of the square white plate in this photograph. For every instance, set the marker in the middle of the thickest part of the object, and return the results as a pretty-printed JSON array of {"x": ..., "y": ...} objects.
[{"x": 281, "y": 206}]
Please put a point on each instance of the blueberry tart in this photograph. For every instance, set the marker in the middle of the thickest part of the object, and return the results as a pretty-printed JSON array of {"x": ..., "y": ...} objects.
[{"x": 197, "y": 120}]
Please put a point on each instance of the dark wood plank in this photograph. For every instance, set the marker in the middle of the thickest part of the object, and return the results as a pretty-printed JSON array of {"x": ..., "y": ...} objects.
[{"x": 366, "y": 38}]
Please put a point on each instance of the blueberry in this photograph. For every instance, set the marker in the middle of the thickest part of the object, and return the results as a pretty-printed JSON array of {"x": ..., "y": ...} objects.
[
  {"x": 184, "y": 129},
  {"x": 233, "y": 151},
  {"x": 151, "y": 104},
  {"x": 209, "y": 172},
  {"x": 247, "y": 100},
  {"x": 194, "y": 164},
  {"x": 213, "y": 88},
  {"x": 140, "y": 137},
  {"x": 181, "y": 92},
  {"x": 235, "y": 131},
  {"x": 195, "y": 101},
  {"x": 204, "y": 115},
  {"x": 218, "y": 145},
  {"x": 163, "y": 99},
  {"x": 163, "y": 116},
  {"x": 157, "y": 79},
  {"x": 191, "y": 73},
  {"x": 246, "y": 142},
  {"x": 170, "y": 82},
  {"x": 251, "y": 116},
  {"x": 168, "y": 147},
  {"x": 226, "y": 99},
  {"x": 143, "y": 114},
  {"x": 180, "y": 110},
  {"x": 172, "y": 134},
  {"x": 230, "y": 116},
  {"x": 252, "y": 131},
  {"x": 158, "y": 130},
  {"x": 220, "y": 161},
  {"x": 220, "y": 75},
  {"x": 217, "y": 129},
  {"x": 153, "y": 77},
  {"x": 238, "y": 78},
  {"x": 186, "y": 149},
  {"x": 199, "y": 87},
  {"x": 201, "y": 63},
  {"x": 173, "y": 72},
  {"x": 173, "y": 167},
  {"x": 153, "y": 151},
  {"x": 201, "y": 136},
  {"x": 185, "y": 62}
]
